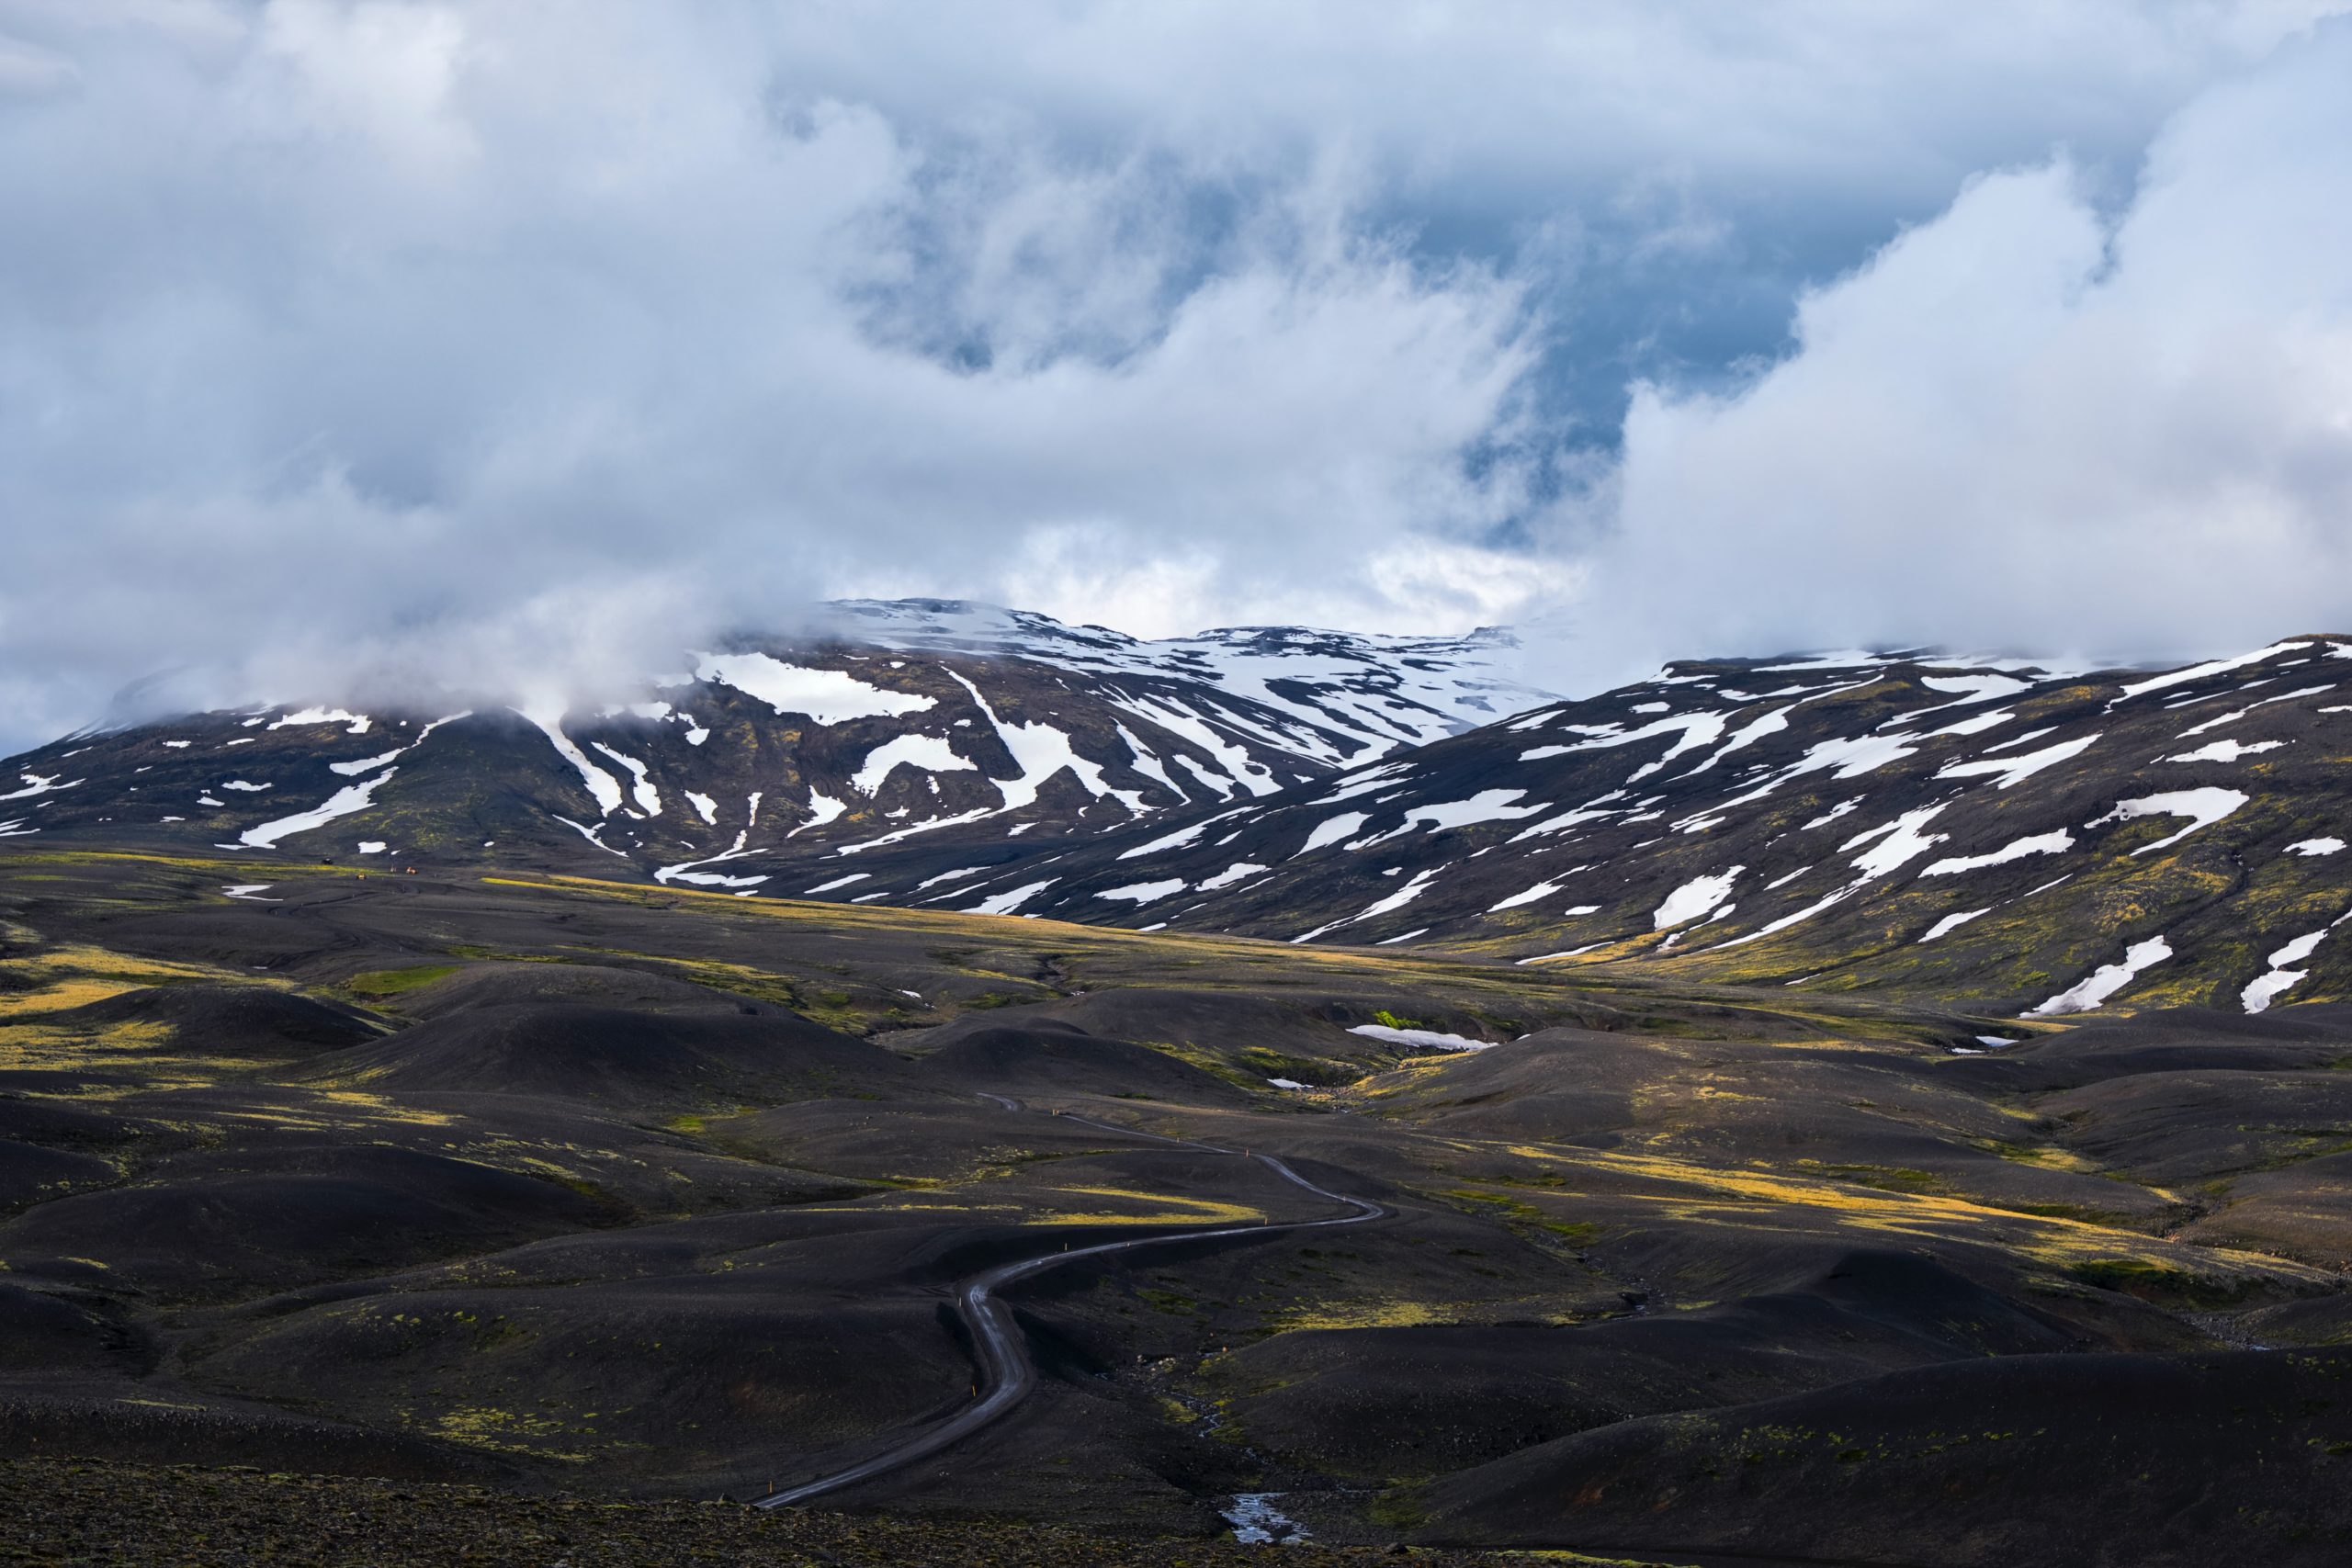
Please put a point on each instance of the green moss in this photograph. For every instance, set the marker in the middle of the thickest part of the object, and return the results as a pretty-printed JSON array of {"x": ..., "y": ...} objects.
[
  {"x": 1576, "y": 1233},
  {"x": 1398, "y": 1508},
  {"x": 2139, "y": 1276},
  {"x": 392, "y": 982}
]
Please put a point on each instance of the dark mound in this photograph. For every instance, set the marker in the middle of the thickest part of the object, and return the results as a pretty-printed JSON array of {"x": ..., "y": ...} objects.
[
  {"x": 1401, "y": 1403},
  {"x": 2101, "y": 1460},
  {"x": 357, "y": 1209},
  {"x": 609, "y": 1057},
  {"x": 2194, "y": 1126},
  {"x": 1561, "y": 1085},
  {"x": 170, "y": 1431},
  {"x": 936, "y": 1141},
  {"x": 212, "y": 1020},
  {"x": 2317, "y": 1320},
  {"x": 2168, "y": 1040},
  {"x": 60, "y": 1124},
  {"x": 1220, "y": 1022},
  {"x": 1049, "y": 1057},
  {"x": 716, "y": 1375},
  {"x": 45, "y": 1333},
  {"x": 29, "y": 1174},
  {"x": 598, "y": 985}
]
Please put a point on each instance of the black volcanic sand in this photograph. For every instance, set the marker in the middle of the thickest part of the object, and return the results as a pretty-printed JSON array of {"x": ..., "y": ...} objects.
[
  {"x": 643, "y": 1194},
  {"x": 980, "y": 1053},
  {"x": 231, "y": 1020},
  {"x": 111, "y": 1513},
  {"x": 2093, "y": 1459},
  {"x": 615, "y": 1056}
]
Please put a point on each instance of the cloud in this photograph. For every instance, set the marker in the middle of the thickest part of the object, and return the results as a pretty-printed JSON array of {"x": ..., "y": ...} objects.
[
  {"x": 2029, "y": 424},
  {"x": 347, "y": 340},
  {"x": 415, "y": 332}
]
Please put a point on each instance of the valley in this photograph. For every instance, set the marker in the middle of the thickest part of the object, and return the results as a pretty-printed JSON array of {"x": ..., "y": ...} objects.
[{"x": 543, "y": 1183}]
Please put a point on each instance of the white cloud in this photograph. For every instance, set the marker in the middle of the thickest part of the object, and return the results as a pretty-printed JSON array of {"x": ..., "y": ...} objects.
[
  {"x": 348, "y": 335},
  {"x": 2028, "y": 423}
]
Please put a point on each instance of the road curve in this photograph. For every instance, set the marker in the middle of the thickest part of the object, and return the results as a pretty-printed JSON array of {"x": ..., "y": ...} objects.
[{"x": 1006, "y": 1374}]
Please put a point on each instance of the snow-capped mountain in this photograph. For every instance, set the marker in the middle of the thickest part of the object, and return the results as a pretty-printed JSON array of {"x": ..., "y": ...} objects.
[
  {"x": 934, "y": 723},
  {"x": 2042, "y": 842},
  {"x": 1384, "y": 691}
]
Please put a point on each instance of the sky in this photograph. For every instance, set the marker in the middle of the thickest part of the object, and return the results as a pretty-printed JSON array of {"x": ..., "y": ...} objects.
[{"x": 348, "y": 340}]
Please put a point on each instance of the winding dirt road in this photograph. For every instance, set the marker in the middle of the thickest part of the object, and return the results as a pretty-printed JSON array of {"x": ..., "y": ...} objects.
[{"x": 1007, "y": 1375}]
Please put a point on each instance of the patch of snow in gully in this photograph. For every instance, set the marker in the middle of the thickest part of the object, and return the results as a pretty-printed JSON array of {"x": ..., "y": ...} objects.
[
  {"x": 2105, "y": 981},
  {"x": 1694, "y": 898},
  {"x": 1429, "y": 1039}
]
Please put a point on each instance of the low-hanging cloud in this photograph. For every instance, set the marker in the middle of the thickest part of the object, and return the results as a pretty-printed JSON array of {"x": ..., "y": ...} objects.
[{"x": 353, "y": 341}]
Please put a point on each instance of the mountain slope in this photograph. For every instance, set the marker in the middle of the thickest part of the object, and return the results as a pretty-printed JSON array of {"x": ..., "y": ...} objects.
[
  {"x": 2023, "y": 838},
  {"x": 959, "y": 726}
]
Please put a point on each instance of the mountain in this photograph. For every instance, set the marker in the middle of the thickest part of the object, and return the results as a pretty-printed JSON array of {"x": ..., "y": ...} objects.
[
  {"x": 2014, "y": 838},
  {"x": 1990, "y": 832},
  {"x": 622, "y": 1188},
  {"x": 923, "y": 727}
]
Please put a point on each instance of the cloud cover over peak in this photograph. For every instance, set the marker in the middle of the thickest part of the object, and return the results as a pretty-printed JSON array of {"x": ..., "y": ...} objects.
[{"x": 412, "y": 340}]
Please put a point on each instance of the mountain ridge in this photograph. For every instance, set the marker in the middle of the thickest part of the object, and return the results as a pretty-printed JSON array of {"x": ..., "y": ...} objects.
[{"x": 2035, "y": 840}]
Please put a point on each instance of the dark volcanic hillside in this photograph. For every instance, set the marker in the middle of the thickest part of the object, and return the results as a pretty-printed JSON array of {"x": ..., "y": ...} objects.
[
  {"x": 2022, "y": 839},
  {"x": 952, "y": 729}
]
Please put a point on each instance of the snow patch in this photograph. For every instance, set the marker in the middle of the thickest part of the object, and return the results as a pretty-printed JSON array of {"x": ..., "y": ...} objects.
[
  {"x": 2055, "y": 843},
  {"x": 2225, "y": 751},
  {"x": 1900, "y": 842},
  {"x": 1429, "y": 1039},
  {"x": 930, "y": 753},
  {"x": 824, "y": 696},
  {"x": 2198, "y": 671},
  {"x": 1694, "y": 898},
  {"x": 2012, "y": 770},
  {"x": 345, "y": 801},
  {"x": 2203, "y": 807},
  {"x": 2265, "y": 989},
  {"x": 648, "y": 800},
  {"x": 1540, "y": 890},
  {"x": 1952, "y": 923},
  {"x": 2105, "y": 980},
  {"x": 40, "y": 784},
  {"x": 602, "y": 786},
  {"x": 1007, "y": 903},
  {"x": 357, "y": 722},
  {"x": 1176, "y": 840},
  {"x": 1331, "y": 830},
  {"x": 1146, "y": 892}
]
